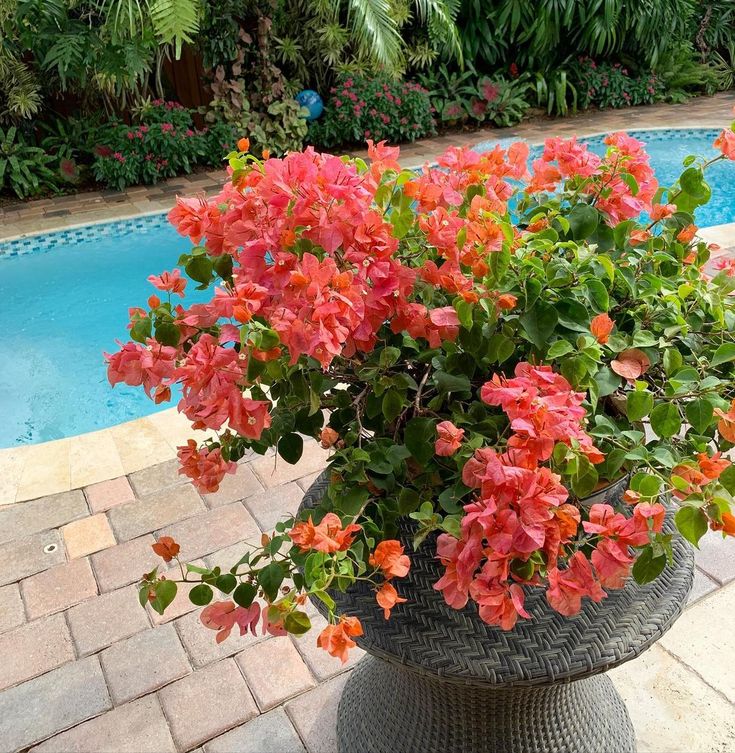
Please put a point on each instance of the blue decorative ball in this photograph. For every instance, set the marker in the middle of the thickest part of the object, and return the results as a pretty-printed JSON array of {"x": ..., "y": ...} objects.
[{"x": 309, "y": 99}]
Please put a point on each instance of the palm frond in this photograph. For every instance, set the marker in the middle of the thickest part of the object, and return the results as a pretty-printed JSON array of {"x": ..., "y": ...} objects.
[
  {"x": 375, "y": 32},
  {"x": 440, "y": 17},
  {"x": 175, "y": 21}
]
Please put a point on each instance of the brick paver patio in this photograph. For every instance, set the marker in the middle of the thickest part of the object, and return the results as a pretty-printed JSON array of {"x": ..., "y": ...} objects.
[{"x": 83, "y": 667}]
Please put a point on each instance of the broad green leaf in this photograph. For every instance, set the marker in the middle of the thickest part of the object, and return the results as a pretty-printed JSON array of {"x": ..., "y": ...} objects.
[
  {"x": 699, "y": 413},
  {"x": 539, "y": 323},
  {"x": 270, "y": 579},
  {"x": 297, "y": 623},
  {"x": 291, "y": 447},
  {"x": 692, "y": 523},
  {"x": 665, "y": 420},
  {"x": 392, "y": 405},
  {"x": 638, "y": 405},
  {"x": 648, "y": 567},
  {"x": 419, "y": 436},
  {"x": 723, "y": 354},
  {"x": 244, "y": 594},
  {"x": 583, "y": 221},
  {"x": 201, "y": 595}
]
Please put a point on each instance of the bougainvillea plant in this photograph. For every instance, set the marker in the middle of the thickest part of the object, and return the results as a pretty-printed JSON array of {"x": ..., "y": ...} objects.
[{"x": 482, "y": 344}]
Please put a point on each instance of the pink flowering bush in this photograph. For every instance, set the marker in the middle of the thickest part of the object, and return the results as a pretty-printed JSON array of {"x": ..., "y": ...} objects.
[{"x": 482, "y": 344}]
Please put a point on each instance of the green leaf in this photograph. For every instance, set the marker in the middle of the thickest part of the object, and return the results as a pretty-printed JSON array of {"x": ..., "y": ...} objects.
[
  {"x": 408, "y": 501},
  {"x": 446, "y": 382},
  {"x": 672, "y": 361},
  {"x": 598, "y": 295},
  {"x": 559, "y": 348},
  {"x": 353, "y": 498},
  {"x": 392, "y": 405},
  {"x": 585, "y": 480},
  {"x": 201, "y": 595},
  {"x": 270, "y": 579},
  {"x": 297, "y": 623},
  {"x": 199, "y": 268},
  {"x": 692, "y": 523},
  {"x": 226, "y": 583},
  {"x": 165, "y": 594},
  {"x": 665, "y": 420},
  {"x": 167, "y": 333},
  {"x": 583, "y": 221},
  {"x": 244, "y": 594},
  {"x": 699, "y": 413},
  {"x": 638, "y": 405},
  {"x": 539, "y": 323},
  {"x": 723, "y": 354},
  {"x": 291, "y": 447},
  {"x": 389, "y": 356},
  {"x": 141, "y": 329},
  {"x": 498, "y": 263},
  {"x": 419, "y": 436},
  {"x": 647, "y": 567},
  {"x": 727, "y": 478}
]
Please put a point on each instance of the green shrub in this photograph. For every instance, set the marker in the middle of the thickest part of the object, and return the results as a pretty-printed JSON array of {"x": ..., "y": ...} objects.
[
  {"x": 24, "y": 169},
  {"x": 378, "y": 108},
  {"x": 611, "y": 85}
]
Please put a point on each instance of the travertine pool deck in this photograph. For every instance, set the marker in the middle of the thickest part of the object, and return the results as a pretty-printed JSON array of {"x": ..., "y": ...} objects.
[{"x": 84, "y": 668}]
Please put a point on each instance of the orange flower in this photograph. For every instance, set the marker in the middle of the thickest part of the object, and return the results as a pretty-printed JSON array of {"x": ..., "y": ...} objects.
[
  {"x": 449, "y": 439},
  {"x": 387, "y": 597},
  {"x": 638, "y": 237},
  {"x": 541, "y": 224},
  {"x": 266, "y": 153},
  {"x": 694, "y": 478},
  {"x": 601, "y": 326},
  {"x": 631, "y": 498},
  {"x": 389, "y": 557},
  {"x": 687, "y": 234},
  {"x": 726, "y": 424},
  {"x": 328, "y": 536},
  {"x": 243, "y": 145},
  {"x": 507, "y": 301},
  {"x": 337, "y": 639},
  {"x": 713, "y": 466},
  {"x": 662, "y": 211},
  {"x": 166, "y": 548},
  {"x": 630, "y": 364},
  {"x": 328, "y": 437},
  {"x": 154, "y": 302}
]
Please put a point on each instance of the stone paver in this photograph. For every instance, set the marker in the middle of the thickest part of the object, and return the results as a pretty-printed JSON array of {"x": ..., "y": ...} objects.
[
  {"x": 703, "y": 585},
  {"x": 274, "y": 471},
  {"x": 234, "y": 487},
  {"x": 107, "y": 494},
  {"x": 200, "y": 643},
  {"x": 34, "y": 648},
  {"x": 102, "y": 621},
  {"x": 699, "y": 640},
  {"x": 41, "y": 514},
  {"x": 125, "y": 563},
  {"x": 213, "y": 530},
  {"x": 155, "y": 511},
  {"x": 137, "y": 727},
  {"x": 322, "y": 665},
  {"x": 30, "y": 555},
  {"x": 58, "y": 588},
  {"x": 207, "y": 703},
  {"x": 144, "y": 663},
  {"x": 86, "y": 536},
  {"x": 51, "y": 703},
  {"x": 275, "y": 671},
  {"x": 157, "y": 477},
  {"x": 716, "y": 556},
  {"x": 269, "y": 733},
  {"x": 314, "y": 715},
  {"x": 12, "y": 613},
  {"x": 672, "y": 710},
  {"x": 275, "y": 504}
]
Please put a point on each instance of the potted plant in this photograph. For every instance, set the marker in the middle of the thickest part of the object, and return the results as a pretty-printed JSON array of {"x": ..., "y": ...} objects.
[{"x": 525, "y": 379}]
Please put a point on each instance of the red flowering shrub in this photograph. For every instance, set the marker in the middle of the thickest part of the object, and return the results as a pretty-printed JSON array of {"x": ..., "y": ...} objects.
[
  {"x": 612, "y": 85},
  {"x": 375, "y": 107},
  {"x": 477, "y": 370}
]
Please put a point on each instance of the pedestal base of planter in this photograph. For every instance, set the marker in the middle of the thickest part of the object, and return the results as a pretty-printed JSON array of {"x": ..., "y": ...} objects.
[{"x": 386, "y": 708}]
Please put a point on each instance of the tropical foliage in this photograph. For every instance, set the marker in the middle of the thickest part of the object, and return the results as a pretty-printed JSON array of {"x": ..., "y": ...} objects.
[{"x": 481, "y": 345}]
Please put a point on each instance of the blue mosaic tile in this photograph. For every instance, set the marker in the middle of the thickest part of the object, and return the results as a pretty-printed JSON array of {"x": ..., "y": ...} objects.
[{"x": 38, "y": 243}]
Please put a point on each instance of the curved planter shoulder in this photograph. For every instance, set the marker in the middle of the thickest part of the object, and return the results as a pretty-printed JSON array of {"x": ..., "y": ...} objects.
[{"x": 490, "y": 689}]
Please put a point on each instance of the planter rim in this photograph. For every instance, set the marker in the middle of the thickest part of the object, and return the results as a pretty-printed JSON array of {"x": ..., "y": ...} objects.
[{"x": 429, "y": 637}]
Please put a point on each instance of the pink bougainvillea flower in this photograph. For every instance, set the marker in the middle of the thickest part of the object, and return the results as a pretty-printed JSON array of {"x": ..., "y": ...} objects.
[
  {"x": 449, "y": 439},
  {"x": 568, "y": 587},
  {"x": 222, "y": 616},
  {"x": 171, "y": 282},
  {"x": 328, "y": 437},
  {"x": 387, "y": 597},
  {"x": 630, "y": 364},
  {"x": 205, "y": 467},
  {"x": 166, "y": 548},
  {"x": 726, "y": 424},
  {"x": 601, "y": 326},
  {"x": 686, "y": 235},
  {"x": 662, "y": 211},
  {"x": 389, "y": 557},
  {"x": 725, "y": 142}
]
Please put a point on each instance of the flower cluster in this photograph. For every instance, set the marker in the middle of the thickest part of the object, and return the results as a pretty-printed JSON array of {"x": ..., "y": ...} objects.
[{"x": 479, "y": 347}]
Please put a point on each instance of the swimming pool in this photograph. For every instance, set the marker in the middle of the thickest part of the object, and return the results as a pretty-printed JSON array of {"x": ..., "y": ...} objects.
[{"x": 64, "y": 298}]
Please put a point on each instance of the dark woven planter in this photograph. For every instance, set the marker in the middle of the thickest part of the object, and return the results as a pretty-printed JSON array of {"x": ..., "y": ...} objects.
[{"x": 439, "y": 680}]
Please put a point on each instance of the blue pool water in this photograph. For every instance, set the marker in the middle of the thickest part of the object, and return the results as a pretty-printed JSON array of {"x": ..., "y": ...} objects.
[{"x": 64, "y": 299}]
